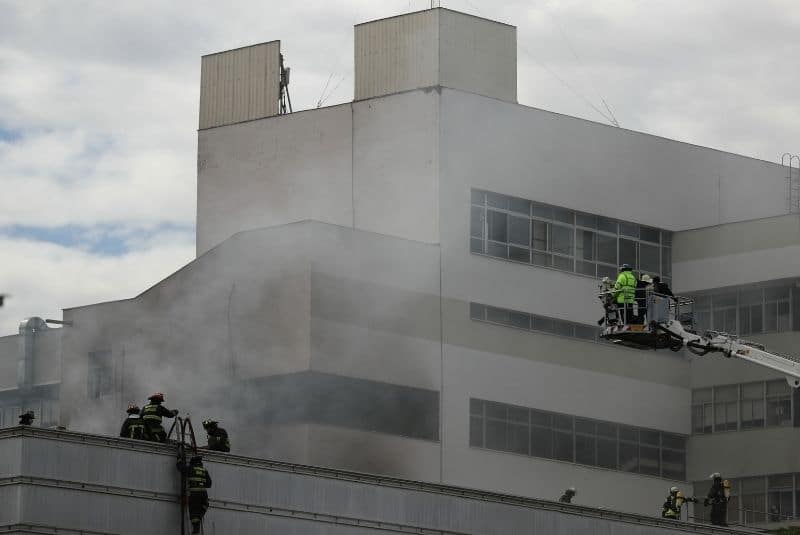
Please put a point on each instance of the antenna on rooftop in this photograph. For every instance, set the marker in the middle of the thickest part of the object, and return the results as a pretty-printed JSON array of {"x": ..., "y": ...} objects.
[{"x": 284, "y": 97}]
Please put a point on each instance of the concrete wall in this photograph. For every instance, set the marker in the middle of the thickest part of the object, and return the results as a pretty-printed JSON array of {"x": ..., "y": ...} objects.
[
  {"x": 435, "y": 47},
  {"x": 737, "y": 253},
  {"x": 9, "y": 356},
  {"x": 240, "y": 85},
  {"x": 47, "y": 357}
]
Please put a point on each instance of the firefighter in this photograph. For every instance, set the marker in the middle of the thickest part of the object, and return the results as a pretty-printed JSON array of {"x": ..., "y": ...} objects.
[
  {"x": 625, "y": 289},
  {"x": 133, "y": 426},
  {"x": 217, "y": 436},
  {"x": 568, "y": 495},
  {"x": 718, "y": 497},
  {"x": 152, "y": 414},
  {"x": 198, "y": 481},
  {"x": 675, "y": 500},
  {"x": 26, "y": 418}
]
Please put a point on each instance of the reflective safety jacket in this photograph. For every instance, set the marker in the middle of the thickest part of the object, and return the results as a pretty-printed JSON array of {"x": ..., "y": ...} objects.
[
  {"x": 671, "y": 508},
  {"x": 625, "y": 287},
  {"x": 132, "y": 427},
  {"x": 218, "y": 440},
  {"x": 198, "y": 479},
  {"x": 152, "y": 413}
]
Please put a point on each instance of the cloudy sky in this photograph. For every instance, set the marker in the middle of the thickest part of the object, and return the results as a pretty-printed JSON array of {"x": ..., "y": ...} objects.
[{"x": 98, "y": 108}]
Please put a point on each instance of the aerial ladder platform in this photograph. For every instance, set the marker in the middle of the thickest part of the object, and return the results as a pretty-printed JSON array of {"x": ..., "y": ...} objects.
[{"x": 667, "y": 322}]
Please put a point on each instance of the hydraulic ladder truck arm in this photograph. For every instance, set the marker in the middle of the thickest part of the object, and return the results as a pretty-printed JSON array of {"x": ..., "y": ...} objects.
[{"x": 668, "y": 322}]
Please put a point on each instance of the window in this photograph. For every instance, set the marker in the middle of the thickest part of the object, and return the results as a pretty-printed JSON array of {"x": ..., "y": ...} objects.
[
  {"x": 779, "y": 403},
  {"x": 754, "y": 500},
  {"x": 744, "y": 310},
  {"x": 99, "y": 376},
  {"x": 779, "y": 497},
  {"x": 752, "y": 405},
  {"x": 563, "y": 437},
  {"x": 533, "y": 322},
  {"x": 559, "y": 238},
  {"x": 702, "y": 421},
  {"x": 726, "y": 408}
]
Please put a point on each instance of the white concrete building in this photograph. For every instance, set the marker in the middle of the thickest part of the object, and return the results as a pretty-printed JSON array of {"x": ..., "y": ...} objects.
[{"x": 406, "y": 284}]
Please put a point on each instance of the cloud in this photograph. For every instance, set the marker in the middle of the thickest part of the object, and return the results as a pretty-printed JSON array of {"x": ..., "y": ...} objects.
[{"x": 99, "y": 107}]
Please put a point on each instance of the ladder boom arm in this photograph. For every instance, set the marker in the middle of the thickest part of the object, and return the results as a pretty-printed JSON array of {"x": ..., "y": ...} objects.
[{"x": 734, "y": 347}]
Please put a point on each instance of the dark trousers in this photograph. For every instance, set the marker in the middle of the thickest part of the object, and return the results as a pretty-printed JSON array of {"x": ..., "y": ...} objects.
[
  {"x": 198, "y": 504},
  {"x": 718, "y": 514},
  {"x": 155, "y": 432}
]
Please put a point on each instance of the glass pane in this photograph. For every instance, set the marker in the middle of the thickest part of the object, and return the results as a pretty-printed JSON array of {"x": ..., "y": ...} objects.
[
  {"x": 584, "y": 245},
  {"x": 518, "y": 414},
  {"x": 585, "y": 332},
  {"x": 753, "y": 391},
  {"x": 476, "y": 222},
  {"x": 541, "y": 418},
  {"x": 476, "y": 406},
  {"x": 542, "y": 259},
  {"x": 750, "y": 297},
  {"x": 606, "y": 271},
  {"x": 607, "y": 453},
  {"x": 520, "y": 205},
  {"x": 563, "y": 263},
  {"x": 649, "y": 234},
  {"x": 562, "y": 421},
  {"x": 674, "y": 464},
  {"x": 521, "y": 320},
  {"x": 752, "y": 413},
  {"x": 770, "y": 317},
  {"x": 702, "y": 395},
  {"x": 607, "y": 249},
  {"x": 519, "y": 439},
  {"x": 666, "y": 261},
  {"x": 675, "y": 442},
  {"x": 780, "y": 481},
  {"x": 476, "y": 311},
  {"x": 496, "y": 435},
  {"x": 519, "y": 254},
  {"x": 666, "y": 237},
  {"x": 499, "y": 250},
  {"x": 543, "y": 324},
  {"x": 649, "y": 462},
  {"x": 519, "y": 231},
  {"x": 562, "y": 240},
  {"x": 648, "y": 258},
  {"x": 540, "y": 232},
  {"x": 629, "y": 229},
  {"x": 585, "y": 447},
  {"x": 744, "y": 320},
  {"x": 542, "y": 442},
  {"x": 631, "y": 434},
  {"x": 476, "y": 245},
  {"x": 606, "y": 429},
  {"x": 756, "y": 319},
  {"x": 497, "y": 200},
  {"x": 498, "y": 315},
  {"x": 586, "y": 220},
  {"x": 476, "y": 431},
  {"x": 496, "y": 410},
  {"x": 478, "y": 196},
  {"x": 582, "y": 425},
  {"x": 784, "y": 319},
  {"x": 607, "y": 225},
  {"x": 498, "y": 230},
  {"x": 627, "y": 252},
  {"x": 628, "y": 457},
  {"x": 778, "y": 388},
  {"x": 563, "y": 446},
  {"x": 651, "y": 438},
  {"x": 776, "y": 294},
  {"x": 564, "y": 215},
  {"x": 564, "y": 328},
  {"x": 585, "y": 268},
  {"x": 726, "y": 393},
  {"x": 542, "y": 210}
]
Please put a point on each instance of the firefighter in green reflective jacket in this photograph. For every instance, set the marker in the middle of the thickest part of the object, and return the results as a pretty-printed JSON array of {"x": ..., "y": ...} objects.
[
  {"x": 217, "y": 436},
  {"x": 152, "y": 414},
  {"x": 133, "y": 426},
  {"x": 625, "y": 290},
  {"x": 197, "y": 481}
]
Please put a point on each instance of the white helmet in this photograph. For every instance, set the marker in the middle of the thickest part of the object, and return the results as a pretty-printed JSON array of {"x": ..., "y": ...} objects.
[{"x": 673, "y": 490}]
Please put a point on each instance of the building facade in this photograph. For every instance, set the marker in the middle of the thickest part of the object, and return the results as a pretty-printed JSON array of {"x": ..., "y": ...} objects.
[{"x": 406, "y": 285}]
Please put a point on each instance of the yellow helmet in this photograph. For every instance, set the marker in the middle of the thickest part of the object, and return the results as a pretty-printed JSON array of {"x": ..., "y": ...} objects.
[{"x": 726, "y": 484}]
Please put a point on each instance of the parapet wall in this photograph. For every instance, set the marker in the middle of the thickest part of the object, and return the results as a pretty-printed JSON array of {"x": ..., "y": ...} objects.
[{"x": 63, "y": 482}]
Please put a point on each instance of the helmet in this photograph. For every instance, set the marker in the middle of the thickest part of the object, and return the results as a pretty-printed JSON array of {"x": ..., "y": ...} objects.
[
  {"x": 209, "y": 423},
  {"x": 679, "y": 494},
  {"x": 715, "y": 475},
  {"x": 132, "y": 408},
  {"x": 673, "y": 490},
  {"x": 28, "y": 414},
  {"x": 646, "y": 278},
  {"x": 656, "y": 279},
  {"x": 571, "y": 490},
  {"x": 196, "y": 460},
  {"x": 625, "y": 267},
  {"x": 158, "y": 396},
  {"x": 726, "y": 484}
]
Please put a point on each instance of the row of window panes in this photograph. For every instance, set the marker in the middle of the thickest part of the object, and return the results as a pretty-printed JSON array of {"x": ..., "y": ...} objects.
[
  {"x": 747, "y": 310},
  {"x": 533, "y": 322},
  {"x": 745, "y": 406},
  {"x": 509, "y": 428},
  {"x": 756, "y": 500},
  {"x": 550, "y": 236}
]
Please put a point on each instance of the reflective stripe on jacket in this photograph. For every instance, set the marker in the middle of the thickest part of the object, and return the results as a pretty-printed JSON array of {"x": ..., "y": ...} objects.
[
  {"x": 151, "y": 413},
  {"x": 197, "y": 479},
  {"x": 626, "y": 287}
]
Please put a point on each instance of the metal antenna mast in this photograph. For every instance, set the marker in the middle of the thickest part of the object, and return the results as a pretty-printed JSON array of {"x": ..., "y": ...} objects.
[
  {"x": 284, "y": 99},
  {"x": 792, "y": 164}
]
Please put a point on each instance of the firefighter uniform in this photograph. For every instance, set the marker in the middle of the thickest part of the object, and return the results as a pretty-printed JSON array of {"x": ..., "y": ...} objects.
[
  {"x": 133, "y": 426},
  {"x": 152, "y": 414},
  {"x": 198, "y": 481},
  {"x": 217, "y": 437}
]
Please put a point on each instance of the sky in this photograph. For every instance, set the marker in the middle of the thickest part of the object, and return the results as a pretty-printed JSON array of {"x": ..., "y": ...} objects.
[{"x": 99, "y": 108}]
